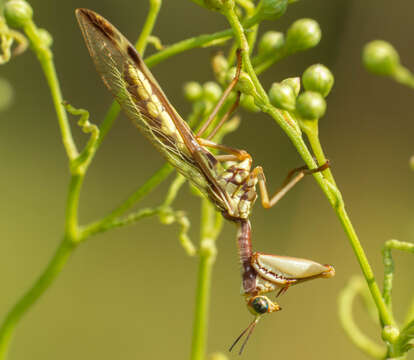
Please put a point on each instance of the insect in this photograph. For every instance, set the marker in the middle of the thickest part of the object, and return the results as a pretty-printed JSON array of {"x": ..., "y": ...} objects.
[{"x": 231, "y": 188}]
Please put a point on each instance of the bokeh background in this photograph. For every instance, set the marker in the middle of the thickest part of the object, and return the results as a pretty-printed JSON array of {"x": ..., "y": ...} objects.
[{"x": 129, "y": 293}]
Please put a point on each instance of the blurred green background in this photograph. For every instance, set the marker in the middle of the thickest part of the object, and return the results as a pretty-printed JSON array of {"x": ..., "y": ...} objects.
[{"x": 129, "y": 294}]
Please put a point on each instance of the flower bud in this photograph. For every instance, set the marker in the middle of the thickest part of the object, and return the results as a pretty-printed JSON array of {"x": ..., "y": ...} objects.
[
  {"x": 294, "y": 83},
  {"x": 412, "y": 162},
  {"x": 6, "y": 94},
  {"x": 219, "y": 63},
  {"x": 247, "y": 101},
  {"x": 380, "y": 57},
  {"x": 212, "y": 91},
  {"x": 245, "y": 84},
  {"x": 218, "y": 356},
  {"x": 318, "y": 78},
  {"x": 310, "y": 105},
  {"x": 390, "y": 333},
  {"x": 193, "y": 91},
  {"x": 271, "y": 9},
  {"x": 303, "y": 34},
  {"x": 18, "y": 13},
  {"x": 282, "y": 96},
  {"x": 45, "y": 37},
  {"x": 271, "y": 41},
  {"x": 215, "y": 5},
  {"x": 230, "y": 75}
]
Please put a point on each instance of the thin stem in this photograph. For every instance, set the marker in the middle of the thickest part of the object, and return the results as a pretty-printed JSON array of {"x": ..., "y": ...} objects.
[
  {"x": 143, "y": 190},
  {"x": 389, "y": 267},
  {"x": 175, "y": 187},
  {"x": 404, "y": 76},
  {"x": 311, "y": 130},
  {"x": 263, "y": 61},
  {"x": 203, "y": 40},
  {"x": 211, "y": 223},
  {"x": 385, "y": 315},
  {"x": 54, "y": 268},
  {"x": 345, "y": 302},
  {"x": 142, "y": 42},
  {"x": 244, "y": 45},
  {"x": 410, "y": 313},
  {"x": 128, "y": 220},
  {"x": 45, "y": 57}
]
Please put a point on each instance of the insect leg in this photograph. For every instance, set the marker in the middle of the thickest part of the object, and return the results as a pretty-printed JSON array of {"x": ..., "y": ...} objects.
[
  {"x": 233, "y": 154},
  {"x": 290, "y": 181},
  {"x": 226, "y": 93},
  {"x": 225, "y": 117}
]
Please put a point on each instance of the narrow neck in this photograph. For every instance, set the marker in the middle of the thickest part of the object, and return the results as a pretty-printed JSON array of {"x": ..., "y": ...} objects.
[{"x": 245, "y": 252}]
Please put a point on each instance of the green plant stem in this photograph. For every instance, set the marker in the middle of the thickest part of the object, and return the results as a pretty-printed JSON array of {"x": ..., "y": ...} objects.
[
  {"x": 389, "y": 267},
  {"x": 244, "y": 45},
  {"x": 203, "y": 40},
  {"x": 56, "y": 264},
  {"x": 311, "y": 129},
  {"x": 211, "y": 223},
  {"x": 410, "y": 313},
  {"x": 404, "y": 76},
  {"x": 142, "y": 42},
  {"x": 265, "y": 61},
  {"x": 345, "y": 302},
  {"x": 330, "y": 190},
  {"x": 45, "y": 57},
  {"x": 54, "y": 268},
  {"x": 143, "y": 190}
]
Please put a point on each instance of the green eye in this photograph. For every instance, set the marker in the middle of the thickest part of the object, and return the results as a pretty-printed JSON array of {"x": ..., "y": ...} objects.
[{"x": 260, "y": 305}]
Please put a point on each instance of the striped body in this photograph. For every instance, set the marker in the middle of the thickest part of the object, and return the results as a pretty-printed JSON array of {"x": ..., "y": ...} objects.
[{"x": 231, "y": 189}]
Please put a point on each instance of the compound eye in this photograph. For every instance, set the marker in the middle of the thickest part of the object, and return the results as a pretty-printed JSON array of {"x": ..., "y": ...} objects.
[{"x": 260, "y": 305}]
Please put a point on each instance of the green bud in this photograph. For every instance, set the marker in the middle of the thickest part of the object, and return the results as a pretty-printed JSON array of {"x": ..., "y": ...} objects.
[
  {"x": 45, "y": 37},
  {"x": 17, "y": 13},
  {"x": 6, "y": 94},
  {"x": 318, "y": 78},
  {"x": 310, "y": 105},
  {"x": 219, "y": 63},
  {"x": 380, "y": 57},
  {"x": 303, "y": 34},
  {"x": 390, "y": 333},
  {"x": 231, "y": 73},
  {"x": 271, "y": 9},
  {"x": 215, "y": 5},
  {"x": 218, "y": 356},
  {"x": 247, "y": 101},
  {"x": 294, "y": 83},
  {"x": 245, "y": 84},
  {"x": 282, "y": 96},
  {"x": 212, "y": 91},
  {"x": 271, "y": 41},
  {"x": 412, "y": 162},
  {"x": 193, "y": 91}
]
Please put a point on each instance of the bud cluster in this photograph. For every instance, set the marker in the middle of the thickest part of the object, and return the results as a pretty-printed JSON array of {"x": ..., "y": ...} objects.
[{"x": 317, "y": 82}]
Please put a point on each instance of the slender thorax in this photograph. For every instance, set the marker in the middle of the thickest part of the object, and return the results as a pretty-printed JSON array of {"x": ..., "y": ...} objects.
[{"x": 231, "y": 187}]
